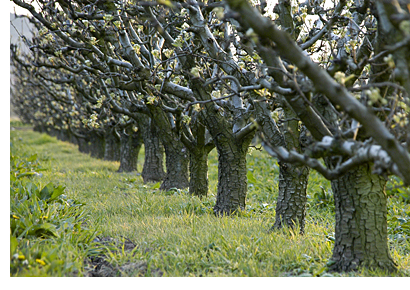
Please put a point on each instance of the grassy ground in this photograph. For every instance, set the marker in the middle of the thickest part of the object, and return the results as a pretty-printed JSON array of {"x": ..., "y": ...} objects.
[{"x": 177, "y": 235}]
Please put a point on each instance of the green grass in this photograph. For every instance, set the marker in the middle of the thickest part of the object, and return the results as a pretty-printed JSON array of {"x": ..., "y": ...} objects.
[{"x": 179, "y": 235}]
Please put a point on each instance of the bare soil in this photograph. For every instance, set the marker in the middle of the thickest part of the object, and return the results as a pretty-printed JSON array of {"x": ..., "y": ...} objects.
[{"x": 99, "y": 266}]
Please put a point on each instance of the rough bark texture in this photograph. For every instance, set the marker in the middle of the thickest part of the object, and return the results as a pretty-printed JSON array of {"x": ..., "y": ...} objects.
[
  {"x": 361, "y": 213},
  {"x": 293, "y": 180},
  {"x": 176, "y": 158},
  {"x": 232, "y": 178},
  {"x": 176, "y": 155},
  {"x": 361, "y": 222},
  {"x": 198, "y": 157},
  {"x": 198, "y": 173},
  {"x": 153, "y": 170},
  {"x": 112, "y": 146},
  {"x": 131, "y": 143},
  {"x": 291, "y": 202}
]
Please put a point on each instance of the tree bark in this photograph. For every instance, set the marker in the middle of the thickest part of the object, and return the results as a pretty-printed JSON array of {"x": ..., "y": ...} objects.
[
  {"x": 176, "y": 158},
  {"x": 232, "y": 178},
  {"x": 291, "y": 202},
  {"x": 199, "y": 149},
  {"x": 198, "y": 172},
  {"x": 83, "y": 145},
  {"x": 176, "y": 155},
  {"x": 131, "y": 143},
  {"x": 361, "y": 222},
  {"x": 361, "y": 213},
  {"x": 293, "y": 180},
  {"x": 232, "y": 148},
  {"x": 112, "y": 146},
  {"x": 153, "y": 169},
  {"x": 97, "y": 145}
]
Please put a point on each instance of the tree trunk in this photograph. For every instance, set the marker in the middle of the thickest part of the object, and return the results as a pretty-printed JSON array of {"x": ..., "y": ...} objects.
[
  {"x": 131, "y": 143},
  {"x": 73, "y": 139},
  {"x": 153, "y": 169},
  {"x": 177, "y": 166},
  {"x": 117, "y": 149},
  {"x": 232, "y": 178},
  {"x": 97, "y": 145},
  {"x": 176, "y": 155},
  {"x": 198, "y": 172},
  {"x": 53, "y": 132},
  {"x": 291, "y": 201},
  {"x": 361, "y": 222},
  {"x": 112, "y": 146},
  {"x": 232, "y": 149},
  {"x": 83, "y": 145},
  {"x": 199, "y": 150},
  {"x": 293, "y": 180},
  {"x": 361, "y": 213}
]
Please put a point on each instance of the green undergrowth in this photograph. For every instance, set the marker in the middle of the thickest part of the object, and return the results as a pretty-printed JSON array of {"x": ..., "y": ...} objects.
[
  {"x": 177, "y": 234},
  {"x": 17, "y": 123},
  {"x": 48, "y": 236}
]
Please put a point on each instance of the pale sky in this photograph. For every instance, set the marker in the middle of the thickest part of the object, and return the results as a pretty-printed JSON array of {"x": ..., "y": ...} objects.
[{"x": 19, "y": 10}]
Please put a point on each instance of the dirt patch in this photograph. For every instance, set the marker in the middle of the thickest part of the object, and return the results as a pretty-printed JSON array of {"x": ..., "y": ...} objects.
[{"x": 100, "y": 267}]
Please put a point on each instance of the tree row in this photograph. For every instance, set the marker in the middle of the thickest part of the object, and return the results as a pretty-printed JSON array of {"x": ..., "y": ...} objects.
[{"x": 323, "y": 87}]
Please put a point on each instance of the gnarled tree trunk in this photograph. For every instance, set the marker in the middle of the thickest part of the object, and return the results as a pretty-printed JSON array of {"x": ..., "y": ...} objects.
[
  {"x": 176, "y": 158},
  {"x": 361, "y": 222},
  {"x": 153, "y": 169},
  {"x": 176, "y": 155},
  {"x": 232, "y": 177},
  {"x": 198, "y": 157},
  {"x": 293, "y": 180},
  {"x": 131, "y": 143},
  {"x": 232, "y": 148},
  {"x": 291, "y": 201},
  {"x": 198, "y": 172}
]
